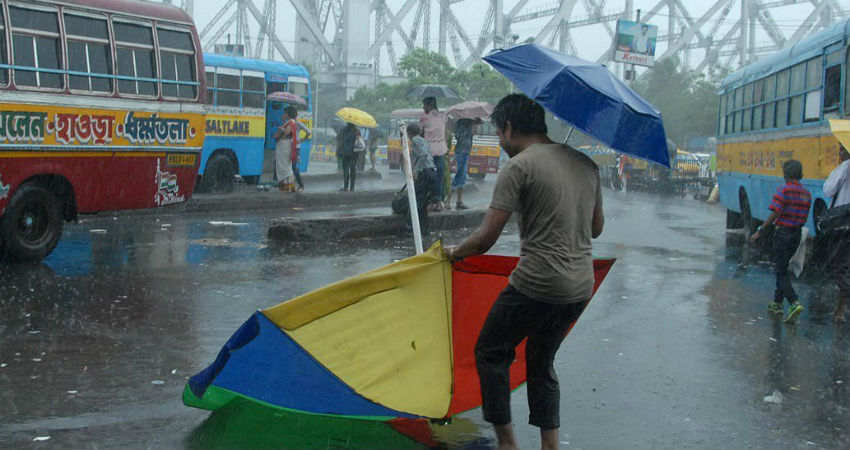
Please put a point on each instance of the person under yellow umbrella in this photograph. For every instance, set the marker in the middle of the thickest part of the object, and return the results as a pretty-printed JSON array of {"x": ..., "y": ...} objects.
[{"x": 350, "y": 144}]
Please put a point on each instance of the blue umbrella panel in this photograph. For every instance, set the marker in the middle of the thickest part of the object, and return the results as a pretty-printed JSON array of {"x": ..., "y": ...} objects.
[{"x": 587, "y": 96}]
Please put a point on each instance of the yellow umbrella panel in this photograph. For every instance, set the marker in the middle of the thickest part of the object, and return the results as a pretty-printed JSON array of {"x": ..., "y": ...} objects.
[
  {"x": 841, "y": 130},
  {"x": 357, "y": 117}
]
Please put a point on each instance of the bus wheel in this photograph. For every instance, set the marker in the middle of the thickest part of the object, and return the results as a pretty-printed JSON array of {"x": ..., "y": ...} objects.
[
  {"x": 218, "y": 175},
  {"x": 32, "y": 224}
]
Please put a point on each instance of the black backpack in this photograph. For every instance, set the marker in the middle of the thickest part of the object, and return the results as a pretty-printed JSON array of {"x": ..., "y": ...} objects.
[{"x": 400, "y": 203}]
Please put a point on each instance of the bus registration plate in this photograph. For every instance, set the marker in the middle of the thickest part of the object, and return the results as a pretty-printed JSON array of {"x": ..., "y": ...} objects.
[{"x": 181, "y": 160}]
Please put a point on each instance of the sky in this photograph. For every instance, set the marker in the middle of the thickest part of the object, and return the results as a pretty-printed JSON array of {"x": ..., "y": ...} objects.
[{"x": 590, "y": 42}]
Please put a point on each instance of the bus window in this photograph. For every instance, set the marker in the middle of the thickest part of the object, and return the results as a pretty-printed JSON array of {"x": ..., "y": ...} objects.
[
  {"x": 730, "y": 123},
  {"x": 739, "y": 98},
  {"x": 721, "y": 120},
  {"x": 782, "y": 113},
  {"x": 227, "y": 87},
  {"x": 758, "y": 114},
  {"x": 210, "y": 76},
  {"x": 253, "y": 89},
  {"x": 134, "y": 48},
  {"x": 768, "y": 115},
  {"x": 812, "y": 109},
  {"x": 795, "y": 113},
  {"x": 35, "y": 42},
  {"x": 782, "y": 84},
  {"x": 758, "y": 92},
  {"x": 89, "y": 52},
  {"x": 748, "y": 115},
  {"x": 738, "y": 121},
  {"x": 298, "y": 88},
  {"x": 4, "y": 73},
  {"x": 770, "y": 87},
  {"x": 798, "y": 77},
  {"x": 814, "y": 72},
  {"x": 177, "y": 60},
  {"x": 748, "y": 94},
  {"x": 847, "y": 83},
  {"x": 832, "y": 82}
]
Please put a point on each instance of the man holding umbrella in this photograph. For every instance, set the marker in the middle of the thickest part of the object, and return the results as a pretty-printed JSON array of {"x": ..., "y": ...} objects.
[{"x": 556, "y": 192}]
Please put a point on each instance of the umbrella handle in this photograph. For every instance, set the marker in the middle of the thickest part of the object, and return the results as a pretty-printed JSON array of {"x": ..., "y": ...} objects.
[{"x": 411, "y": 191}]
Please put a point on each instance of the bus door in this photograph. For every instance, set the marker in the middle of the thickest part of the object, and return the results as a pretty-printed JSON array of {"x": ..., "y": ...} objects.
[
  {"x": 274, "y": 110},
  {"x": 301, "y": 86}
]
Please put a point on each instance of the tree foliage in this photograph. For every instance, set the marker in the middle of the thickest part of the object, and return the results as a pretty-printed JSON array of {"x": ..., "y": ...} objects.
[{"x": 686, "y": 99}]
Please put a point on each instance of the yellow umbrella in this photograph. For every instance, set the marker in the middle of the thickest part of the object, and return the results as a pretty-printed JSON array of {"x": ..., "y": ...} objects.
[
  {"x": 357, "y": 117},
  {"x": 841, "y": 129}
]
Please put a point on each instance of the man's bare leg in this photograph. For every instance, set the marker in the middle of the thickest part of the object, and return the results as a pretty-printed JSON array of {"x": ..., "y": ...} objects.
[
  {"x": 549, "y": 438},
  {"x": 505, "y": 434}
]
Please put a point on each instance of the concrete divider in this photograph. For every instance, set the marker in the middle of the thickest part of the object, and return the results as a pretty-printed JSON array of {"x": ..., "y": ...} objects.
[{"x": 340, "y": 228}]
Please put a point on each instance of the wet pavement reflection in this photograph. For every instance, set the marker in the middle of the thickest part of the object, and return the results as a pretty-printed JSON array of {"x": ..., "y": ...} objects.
[{"x": 676, "y": 350}]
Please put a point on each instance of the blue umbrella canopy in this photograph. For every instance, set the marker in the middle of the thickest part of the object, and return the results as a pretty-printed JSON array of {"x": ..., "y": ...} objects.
[{"x": 587, "y": 96}]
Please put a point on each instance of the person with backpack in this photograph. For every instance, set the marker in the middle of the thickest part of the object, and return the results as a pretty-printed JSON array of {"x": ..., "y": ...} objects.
[
  {"x": 345, "y": 142},
  {"x": 424, "y": 173}
]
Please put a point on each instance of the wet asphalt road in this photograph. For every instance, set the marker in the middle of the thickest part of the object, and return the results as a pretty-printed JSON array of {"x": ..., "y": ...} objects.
[{"x": 675, "y": 351}]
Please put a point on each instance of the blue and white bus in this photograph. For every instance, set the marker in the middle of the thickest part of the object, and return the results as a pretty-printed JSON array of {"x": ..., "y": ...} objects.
[
  {"x": 777, "y": 109},
  {"x": 240, "y": 121}
]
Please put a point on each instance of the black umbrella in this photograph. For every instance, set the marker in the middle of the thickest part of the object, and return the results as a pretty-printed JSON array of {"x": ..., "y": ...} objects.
[{"x": 432, "y": 90}]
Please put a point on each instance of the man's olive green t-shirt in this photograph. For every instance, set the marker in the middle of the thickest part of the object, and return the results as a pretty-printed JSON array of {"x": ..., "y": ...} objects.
[{"x": 555, "y": 190}]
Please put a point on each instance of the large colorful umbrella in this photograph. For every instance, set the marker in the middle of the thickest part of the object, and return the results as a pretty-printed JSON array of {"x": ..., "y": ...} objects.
[
  {"x": 587, "y": 96},
  {"x": 395, "y": 342},
  {"x": 287, "y": 97},
  {"x": 357, "y": 117},
  {"x": 470, "y": 110}
]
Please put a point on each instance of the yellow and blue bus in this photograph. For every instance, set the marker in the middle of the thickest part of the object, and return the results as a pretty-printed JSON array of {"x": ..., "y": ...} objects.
[
  {"x": 240, "y": 122},
  {"x": 778, "y": 109}
]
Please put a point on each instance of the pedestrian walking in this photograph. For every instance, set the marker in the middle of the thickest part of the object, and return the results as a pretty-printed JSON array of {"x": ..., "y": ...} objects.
[
  {"x": 424, "y": 174},
  {"x": 433, "y": 124},
  {"x": 464, "y": 132},
  {"x": 372, "y": 144},
  {"x": 837, "y": 186},
  {"x": 789, "y": 212},
  {"x": 292, "y": 126},
  {"x": 345, "y": 143},
  {"x": 285, "y": 136},
  {"x": 556, "y": 192}
]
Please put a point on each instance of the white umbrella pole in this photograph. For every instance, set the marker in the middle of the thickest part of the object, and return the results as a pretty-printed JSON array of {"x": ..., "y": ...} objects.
[{"x": 411, "y": 190}]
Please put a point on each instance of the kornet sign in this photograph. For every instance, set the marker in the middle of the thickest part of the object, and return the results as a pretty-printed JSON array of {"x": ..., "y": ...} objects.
[{"x": 635, "y": 43}]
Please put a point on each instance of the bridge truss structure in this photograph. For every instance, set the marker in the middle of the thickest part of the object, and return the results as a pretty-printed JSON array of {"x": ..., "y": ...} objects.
[{"x": 730, "y": 33}]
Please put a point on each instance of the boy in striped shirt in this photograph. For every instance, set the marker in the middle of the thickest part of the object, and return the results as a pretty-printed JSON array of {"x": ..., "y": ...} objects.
[{"x": 789, "y": 212}]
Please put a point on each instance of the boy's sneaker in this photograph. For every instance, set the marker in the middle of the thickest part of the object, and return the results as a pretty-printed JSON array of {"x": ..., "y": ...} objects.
[
  {"x": 793, "y": 311},
  {"x": 775, "y": 308}
]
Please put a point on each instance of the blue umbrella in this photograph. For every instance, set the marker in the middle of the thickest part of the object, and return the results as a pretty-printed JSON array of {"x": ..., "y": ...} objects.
[{"x": 587, "y": 96}]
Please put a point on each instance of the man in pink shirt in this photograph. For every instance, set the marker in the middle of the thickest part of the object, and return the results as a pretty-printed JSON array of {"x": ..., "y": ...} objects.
[{"x": 434, "y": 129}]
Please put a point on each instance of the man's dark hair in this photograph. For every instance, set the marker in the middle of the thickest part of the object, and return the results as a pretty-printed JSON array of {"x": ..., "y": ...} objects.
[
  {"x": 525, "y": 115},
  {"x": 645, "y": 26},
  {"x": 291, "y": 111},
  {"x": 413, "y": 129},
  {"x": 792, "y": 169},
  {"x": 430, "y": 102}
]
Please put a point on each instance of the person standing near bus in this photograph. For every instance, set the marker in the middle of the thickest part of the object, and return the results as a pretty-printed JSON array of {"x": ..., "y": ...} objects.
[
  {"x": 286, "y": 139},
  {"x": 433, "y": 124},
  {"x": 556, "y": 192},
  {"x": 292, "y": 127},
  {"x": 464, "y": 130},
  {"x": 837, "y": 186},
  {"x": 789, "y": 212}
]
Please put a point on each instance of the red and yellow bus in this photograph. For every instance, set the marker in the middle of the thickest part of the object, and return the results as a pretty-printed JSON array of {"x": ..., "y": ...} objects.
[{"x": 101, "y": 108}]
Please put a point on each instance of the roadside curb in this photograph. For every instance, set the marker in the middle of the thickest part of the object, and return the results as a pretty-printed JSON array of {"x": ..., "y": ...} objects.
[{"x": 291, "y": 229}]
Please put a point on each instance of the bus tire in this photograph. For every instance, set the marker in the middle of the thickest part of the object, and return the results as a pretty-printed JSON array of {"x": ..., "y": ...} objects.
[
  {"x": 32, "y": 224},
  {"x": 218, "y": 175},
  {"x": 733, "y": 220}
]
